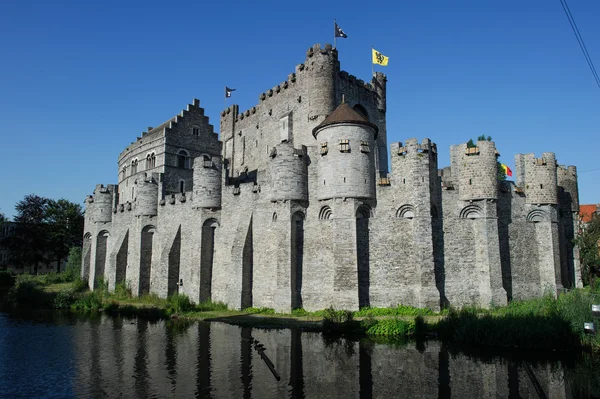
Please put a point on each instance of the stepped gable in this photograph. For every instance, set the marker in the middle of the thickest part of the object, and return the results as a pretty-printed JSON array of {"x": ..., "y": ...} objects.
[{"x": 344, "y": 114}]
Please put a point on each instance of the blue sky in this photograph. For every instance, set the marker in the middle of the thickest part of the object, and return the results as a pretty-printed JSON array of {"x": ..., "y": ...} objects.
[{"x": 79, "y": 80}]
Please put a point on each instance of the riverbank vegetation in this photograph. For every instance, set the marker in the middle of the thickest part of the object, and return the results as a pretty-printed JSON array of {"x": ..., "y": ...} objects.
[{"x": 542, "y": 323}]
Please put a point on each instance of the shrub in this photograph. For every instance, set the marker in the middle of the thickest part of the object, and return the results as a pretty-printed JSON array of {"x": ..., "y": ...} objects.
[
  {"x": 330, "y": 315},
  {"x": 252, "y": 310},
  {"x": 7, "y": 280},
  {"x": 400, "y": 310},
  {"x": 391, "y": 328},
  {"x": 26, "y": 291},
  {"x": 64, "y": 299},
  {"x": 92, "y": 300},
  {"x": 122, "y": 291},
  {"x": 73, "y": 268},
  {"x": 179, "y": 303}
]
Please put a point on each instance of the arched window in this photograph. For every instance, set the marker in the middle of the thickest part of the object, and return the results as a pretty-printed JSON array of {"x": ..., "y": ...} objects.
[
  {"x": 123, "y": 173},
  {"x": 134, "y": 165},
  {"x": 183, "y": 159},
  {"x": 148, "y": 162}
]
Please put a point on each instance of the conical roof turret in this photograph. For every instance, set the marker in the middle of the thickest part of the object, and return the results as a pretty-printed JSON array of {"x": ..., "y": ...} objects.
[{"x": 344, "y": 114}]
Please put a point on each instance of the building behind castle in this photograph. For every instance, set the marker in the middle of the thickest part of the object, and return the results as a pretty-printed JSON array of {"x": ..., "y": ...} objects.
[{"x": 294, "y": 206}]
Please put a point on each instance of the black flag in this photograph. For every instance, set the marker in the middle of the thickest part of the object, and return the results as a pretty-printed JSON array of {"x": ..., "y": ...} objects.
[
  {"x": 228, "y": 92},
  {"x": 339, "y": 32}
]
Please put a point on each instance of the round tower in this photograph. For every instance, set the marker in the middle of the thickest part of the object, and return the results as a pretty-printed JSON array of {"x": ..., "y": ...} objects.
[
  {"x": 102, "y": 204},
  {"x": 289, "y": 174},
  {"x": 540, "y": 178},
  {"x": 478, "y": 171},
  {"x": 323, "y": 65},
  {"x": 147, "y": 197},
  {"x": 346, "y": 167},
  {"x": 567, "y": 179},
  {"x": 207, "y": 181}
]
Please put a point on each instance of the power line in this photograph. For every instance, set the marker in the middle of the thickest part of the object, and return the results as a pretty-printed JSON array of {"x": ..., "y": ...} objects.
[{"x": 573, "y": 24}]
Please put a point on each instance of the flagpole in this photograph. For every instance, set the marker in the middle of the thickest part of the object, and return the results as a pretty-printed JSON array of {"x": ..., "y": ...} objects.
[
  {"x": 372, "y": 67},
  {"x": 334, "y": 32},
  {"x": 225, "y": 99}
]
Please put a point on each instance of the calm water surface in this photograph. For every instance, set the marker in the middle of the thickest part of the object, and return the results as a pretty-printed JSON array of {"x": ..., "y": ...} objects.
[{"x": 54, "y": 355}]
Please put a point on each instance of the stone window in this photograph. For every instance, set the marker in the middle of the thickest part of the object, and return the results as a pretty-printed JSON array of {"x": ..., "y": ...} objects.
[
  {"x": 364, "y": 146},
  {"x": 123, "y": 173},
  {"x": 134, "y": 165},
  {"x": 207, "y": 162},
  {"x": 195, "y": 130},
  {"x": 183, "y": 159},
  {"x": 344, "y": 145},
  {"x": 324, "y": 149},
  {"x": 150, "y": 161},
  {"x": 181, "y": 186},
  {"x": 285, "y": 134}
]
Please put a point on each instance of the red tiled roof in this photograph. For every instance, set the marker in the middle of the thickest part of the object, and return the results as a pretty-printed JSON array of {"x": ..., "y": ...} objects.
[{"x": 586, "y": 212}]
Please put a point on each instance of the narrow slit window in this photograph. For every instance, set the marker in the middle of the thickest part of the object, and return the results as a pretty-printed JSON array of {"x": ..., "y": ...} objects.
[{"x": 324, "y": 149}]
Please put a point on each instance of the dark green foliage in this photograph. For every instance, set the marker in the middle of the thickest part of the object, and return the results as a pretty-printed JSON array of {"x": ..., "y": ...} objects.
[
  {"x": 93, "y": 300},
  {"x": 253, "y": 310},
  {"x": 45, "y": 231},
  {"x": 7, "y": 280},
  {"x": 122, "y": 291},
  {"x": 390, "y": 328},
  {"x": 210, "y": 306},
  {"x": 179, "y": 303},
  {"x": 400, "y": 310},
  {"x": 331, "y": 315},
  {"x": 64, "y": 299},
  {"x": 543, "y": 323},
  {"x": 73, "y": 268},
  {"x": 587, "y": 240},
  {"x": 27, "y": 292}
]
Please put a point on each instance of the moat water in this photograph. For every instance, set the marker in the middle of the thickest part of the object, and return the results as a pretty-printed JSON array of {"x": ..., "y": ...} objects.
[{"x": 54, "y": 355}]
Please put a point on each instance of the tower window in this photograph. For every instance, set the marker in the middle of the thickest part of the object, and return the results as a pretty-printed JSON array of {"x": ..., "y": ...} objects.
[
  {"x": 364, "y": 146},
  {"x": 150, "y": 161},
  {"x": 134, "y": 165},
  {"x": 344, "y": 145},
  {"x": 324, "y": 149},
  {"x": 181, "y": 186},
  {"x": 195, "y": 130},
  {"x": 183, "y": 160}
]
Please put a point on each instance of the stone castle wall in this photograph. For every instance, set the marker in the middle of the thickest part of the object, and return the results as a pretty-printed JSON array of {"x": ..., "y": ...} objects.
[{"x": 273, "y": 215}]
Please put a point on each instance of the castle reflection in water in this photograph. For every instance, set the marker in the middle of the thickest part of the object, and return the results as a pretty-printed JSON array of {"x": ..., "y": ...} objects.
[{"x": 144, "y": 359}]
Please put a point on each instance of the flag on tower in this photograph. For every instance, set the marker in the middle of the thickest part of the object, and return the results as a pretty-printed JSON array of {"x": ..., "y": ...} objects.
[
  {"x": 379, "y": 58},
  {"x": 228, "y": 92},
  {"x": 338, "y": 32},
  {"x": 507, "y": 170}
]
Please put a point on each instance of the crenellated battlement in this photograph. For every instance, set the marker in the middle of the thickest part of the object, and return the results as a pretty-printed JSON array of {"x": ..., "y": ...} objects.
[
  {"x": 567, "y": 181},
  {"x": 537, "y": 177},
  {"x": 475, "y": 170}
]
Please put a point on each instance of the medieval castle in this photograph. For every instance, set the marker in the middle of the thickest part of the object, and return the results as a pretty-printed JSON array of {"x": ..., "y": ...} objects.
[{"x": 294, "y": 206}]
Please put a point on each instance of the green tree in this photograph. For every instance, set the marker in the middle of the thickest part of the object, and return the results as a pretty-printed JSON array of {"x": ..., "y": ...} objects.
[
  {"x": 587, "y": 240},
  {"x": 29, "y": 244},
  {"x": 65, "y": 228}
]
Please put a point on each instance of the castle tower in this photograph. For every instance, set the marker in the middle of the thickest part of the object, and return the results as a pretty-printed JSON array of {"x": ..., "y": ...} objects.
[
  {"x": 537, "y": 177},
  {"x": 147, "y": 197},
  {"x": 323, "y": 64},
  {"x": 207, "y": 181},
  {"x": 476, "y": 171},
  {"x": 568, "y": 197},
  {"x": 289, "y": 174},
  {"x": 380, "y": 83},
  {"x": 346, "y": 167},
  {"x": 102, "y": 204},
  {"x": 478, "y": 178},
  {"x": 416, "y": 197}
]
